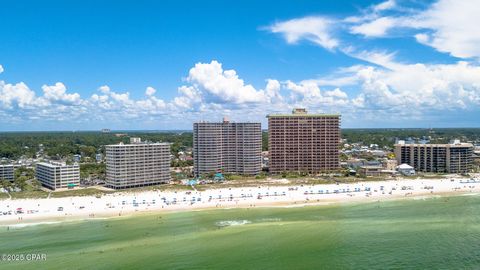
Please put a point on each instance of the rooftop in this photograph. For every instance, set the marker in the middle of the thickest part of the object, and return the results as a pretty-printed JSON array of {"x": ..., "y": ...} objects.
[
  {"x": 404, "y": 166},
  {"x": 302, "y": 112},
  {"x": 6, "y": 165},
  {"x": 225, "y": 122},
  {"x": 139, "y": 144},
  {"x": 371, "y": 167},
  {"x": 53, "y": 164},
  {"x": 436, "y": 145},
  {"x": 303, "y": 115}
]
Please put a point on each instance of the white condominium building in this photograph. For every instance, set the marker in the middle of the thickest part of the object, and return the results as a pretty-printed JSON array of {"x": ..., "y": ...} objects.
[
  {"x": 7, "y": 172},
  {"x": 137, "y": 164},
  {"x": 54, "y": 175}
]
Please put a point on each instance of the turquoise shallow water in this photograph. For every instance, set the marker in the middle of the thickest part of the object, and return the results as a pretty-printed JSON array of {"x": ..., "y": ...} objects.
[{"x": 437, "y": 233}]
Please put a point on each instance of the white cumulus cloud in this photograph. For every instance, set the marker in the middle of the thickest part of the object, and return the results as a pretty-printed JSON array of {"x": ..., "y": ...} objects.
[
  {"x": 222, "y": 85},
  {"x": 16, "y": 94},
  {"x": 401, "y": 91},
  {"x": 150, "y": 91},
  {"x": 58, "y": 93}
]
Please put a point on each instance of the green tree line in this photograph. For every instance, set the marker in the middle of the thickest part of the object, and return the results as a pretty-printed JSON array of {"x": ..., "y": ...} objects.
[{"x": 65, "y": 144}]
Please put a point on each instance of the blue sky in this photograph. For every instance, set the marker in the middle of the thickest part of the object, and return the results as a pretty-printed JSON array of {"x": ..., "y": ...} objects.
[{"x": 85, "y": 65}]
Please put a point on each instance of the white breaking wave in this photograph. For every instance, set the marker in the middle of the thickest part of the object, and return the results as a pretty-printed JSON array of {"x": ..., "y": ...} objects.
[
  {"x": 470, "y": 194},
  {"x": 22, "y": 225},
  {"x": 225, "y": 223}
]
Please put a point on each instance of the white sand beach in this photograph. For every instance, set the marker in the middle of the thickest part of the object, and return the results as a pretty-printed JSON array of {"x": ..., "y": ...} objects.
[{"x": 27, "y": 211}]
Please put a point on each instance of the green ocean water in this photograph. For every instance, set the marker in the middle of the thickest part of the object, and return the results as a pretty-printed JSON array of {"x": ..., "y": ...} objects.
[{"x": 437, "y": 233}]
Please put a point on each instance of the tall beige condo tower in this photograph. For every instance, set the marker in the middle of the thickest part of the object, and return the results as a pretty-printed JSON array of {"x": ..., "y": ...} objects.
[
  {"x": 302, "y": 142},
  {"x": 227, "y": 147}
]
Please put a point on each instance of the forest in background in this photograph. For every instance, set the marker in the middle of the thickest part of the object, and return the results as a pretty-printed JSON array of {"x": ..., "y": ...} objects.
[{"x": 14, "y": 145}]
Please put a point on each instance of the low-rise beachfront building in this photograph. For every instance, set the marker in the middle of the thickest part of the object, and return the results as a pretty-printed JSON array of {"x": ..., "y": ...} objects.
[
  {"x": 7, "y": 172},
  {"x": 455, "y": 157},
  {"x": 390, "y": 164},
  {"x": 137, "y": 164},
  {"x": 406, "y": 169},
  {"x": 367, "y": 170},
  {"x": 55, "y": 175}
]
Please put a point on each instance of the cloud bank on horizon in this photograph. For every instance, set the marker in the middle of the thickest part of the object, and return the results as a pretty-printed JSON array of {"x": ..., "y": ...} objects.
[{"x": 387, "y": 89}]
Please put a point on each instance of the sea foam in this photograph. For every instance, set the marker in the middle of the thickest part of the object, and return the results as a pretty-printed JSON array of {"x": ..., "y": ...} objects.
[
  {"x": 22, "y": 225},
  {"x": 225, "y": 223}
]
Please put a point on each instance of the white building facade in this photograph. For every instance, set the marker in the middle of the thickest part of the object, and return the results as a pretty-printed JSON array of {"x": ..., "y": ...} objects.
[
  {"x": 54, "y": 175},
  {"x": 7, "y": 172},
  {"x": 137, "y": 164}
]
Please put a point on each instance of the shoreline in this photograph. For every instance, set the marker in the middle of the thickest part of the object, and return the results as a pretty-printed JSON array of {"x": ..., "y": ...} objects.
[{"x": 130, "y": 204}]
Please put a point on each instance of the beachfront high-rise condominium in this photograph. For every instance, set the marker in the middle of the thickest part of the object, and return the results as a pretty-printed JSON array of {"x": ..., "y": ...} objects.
[
  {"x": 7, "y": 172},
  {"x": 227, "y": 147},
  {"x": 54, "y": 175},
  {"x": 303, "y": 143},
  {"x": 455, "y": 157},
  {"x": 137, "y": 164}
]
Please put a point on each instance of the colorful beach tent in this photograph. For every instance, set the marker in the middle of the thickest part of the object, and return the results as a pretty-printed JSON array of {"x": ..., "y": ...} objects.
[
  {"x": 218, "y": 177},
  {"x": 192, "y": 182}
]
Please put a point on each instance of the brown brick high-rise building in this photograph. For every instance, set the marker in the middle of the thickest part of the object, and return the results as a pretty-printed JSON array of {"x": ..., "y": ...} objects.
[{"x": 302, "y": 142}]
